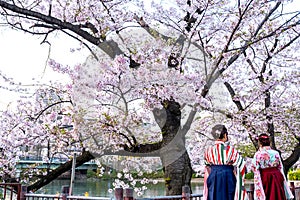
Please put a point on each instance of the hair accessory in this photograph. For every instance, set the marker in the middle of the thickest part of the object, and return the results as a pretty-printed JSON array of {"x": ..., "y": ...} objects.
[{"x": 264, "y": 137}]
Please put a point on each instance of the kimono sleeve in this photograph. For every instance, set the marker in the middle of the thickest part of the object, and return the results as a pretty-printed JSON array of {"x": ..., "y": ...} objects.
[
  {"x": 259, "y": 193},
  {"x": 287, "y": 190}
]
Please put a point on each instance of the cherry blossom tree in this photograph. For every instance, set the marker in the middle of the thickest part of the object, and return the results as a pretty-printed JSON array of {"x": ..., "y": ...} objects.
[{"x": 159, "y": 77}]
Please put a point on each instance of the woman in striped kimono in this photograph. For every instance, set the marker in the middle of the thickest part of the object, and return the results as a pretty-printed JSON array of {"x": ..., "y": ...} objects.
[
  {"x": 269, "y": 179},
  {"x": 225, "y": 169}
]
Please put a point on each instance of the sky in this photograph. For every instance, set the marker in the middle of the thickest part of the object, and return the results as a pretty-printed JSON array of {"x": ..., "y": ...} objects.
[{"x": 24, "y": 58}]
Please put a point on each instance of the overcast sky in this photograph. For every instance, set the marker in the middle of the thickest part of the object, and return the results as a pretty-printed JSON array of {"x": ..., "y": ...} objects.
[{"x": 23, "y": 58}]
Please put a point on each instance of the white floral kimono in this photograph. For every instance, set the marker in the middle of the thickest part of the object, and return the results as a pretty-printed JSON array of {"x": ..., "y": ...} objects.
[{"x": 265, "y": 158}]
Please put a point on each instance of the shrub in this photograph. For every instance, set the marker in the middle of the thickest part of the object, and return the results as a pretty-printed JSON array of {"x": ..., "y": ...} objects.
[
  {"x": 294, "y": 175},
  {"x": 249, "y": 175},
  {"x": 247, "y": 150},
  {"x": 90, "y": 174}
]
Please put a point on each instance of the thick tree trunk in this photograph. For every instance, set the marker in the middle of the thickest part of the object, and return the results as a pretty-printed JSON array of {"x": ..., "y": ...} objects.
[
  {"x": 293, "y": 158},
  {"x": 177, "y": 174},
  {"x": 174, "y": 157}
]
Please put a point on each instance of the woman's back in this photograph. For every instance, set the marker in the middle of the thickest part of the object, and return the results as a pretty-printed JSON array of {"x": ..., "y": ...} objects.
[{"x": 267, "y": 157}]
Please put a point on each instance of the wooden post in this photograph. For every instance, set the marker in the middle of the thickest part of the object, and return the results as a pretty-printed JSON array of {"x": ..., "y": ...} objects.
[
  {"x": 251, "y": 192},
  {"x": 186, "y": 192},
  {"x": 4, "y": 196},
  {"x": 292, "y": 187},
  {"x": 65, "y": 189},
  {"x": 119, "y": 194},
  {"x": 128, "y": 194},
  {"x": 23, "y": 192}
]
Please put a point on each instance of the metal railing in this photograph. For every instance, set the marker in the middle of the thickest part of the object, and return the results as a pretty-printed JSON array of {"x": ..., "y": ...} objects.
[
  {"x": 87, "y": 198},
  {"x": 29, "y": 196},
  {"x": 174, "y": 197},
  {"x": 10, "y": 191},
  {"x": 61, "y": 197},
  {"x": 15, "y": 191}
]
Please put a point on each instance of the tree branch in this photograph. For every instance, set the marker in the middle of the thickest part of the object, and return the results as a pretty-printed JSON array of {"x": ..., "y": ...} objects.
[
  {"x": 80, "y": 160},
  {"x": 232, "y": 94},
  {"x": 51, "y": 20},
  {"x": 49, "y": 106}
]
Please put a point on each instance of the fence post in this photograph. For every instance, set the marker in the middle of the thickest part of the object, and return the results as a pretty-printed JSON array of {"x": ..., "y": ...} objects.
[
  {"x": 186, "y": 193},
  {"x": 65, "y": 189},
  {"x": 119, "y": 194},
  {"x": 292, "y": 187},
  {"x": 23, "y": 192},
  {"x": 128, "y": 194},
  {"x": 251, "y": 192}
]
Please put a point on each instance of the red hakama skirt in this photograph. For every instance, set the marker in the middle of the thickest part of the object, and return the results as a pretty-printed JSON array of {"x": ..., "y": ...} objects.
[{"x": 273, "y": 183}]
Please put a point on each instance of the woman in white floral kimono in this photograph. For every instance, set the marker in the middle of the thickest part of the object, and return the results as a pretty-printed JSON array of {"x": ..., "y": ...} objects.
[{"x": 269, "y": 179}]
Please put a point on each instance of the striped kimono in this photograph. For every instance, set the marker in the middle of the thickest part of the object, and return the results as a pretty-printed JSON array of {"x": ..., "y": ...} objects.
[{"x": 224, "y": 155}]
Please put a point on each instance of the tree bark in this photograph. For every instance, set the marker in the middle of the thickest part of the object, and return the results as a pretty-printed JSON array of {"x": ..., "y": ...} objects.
[
  {"x": 292, "y": 159},
  {"x": 177, "y": 174},
  {"x": 173, "y": 154}
]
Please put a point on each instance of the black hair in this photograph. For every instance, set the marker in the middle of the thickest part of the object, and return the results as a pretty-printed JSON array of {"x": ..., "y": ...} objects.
[
  {"x": 219, "y": 131},
  {"x": 264, "y": 139}
]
